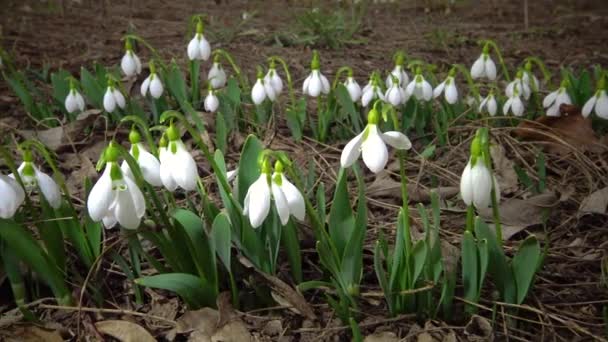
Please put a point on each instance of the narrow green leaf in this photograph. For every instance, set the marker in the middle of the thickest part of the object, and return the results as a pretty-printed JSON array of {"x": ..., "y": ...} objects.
[
  {"x": 91, "y": 88},
  {"x": 291, "y": 244},
  {"x": 470, "y": 268},
  {"x": 192, "y": 290},
  {"x": 221, "y": 237},
  {"x": 341, "y": 220},
  {"x": 525, "y": 263},
  {"x": 249, "y": 170}
]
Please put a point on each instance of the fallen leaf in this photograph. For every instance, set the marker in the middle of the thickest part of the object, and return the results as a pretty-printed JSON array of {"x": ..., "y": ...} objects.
[
  {"x": 32, "y": 333},
  {"x": 85, "y": 169},
  {"x": 562, "y": 134},
  {"x": 503, "y": 169},
  {"x": 517, "y": 214},
  {"x": 235, "y": 331},
  {"x": 202, "y": 325},
  {"x": 51, "y": 138},
  {"x": 596, "y": 203},
  {"x": 204, "y": 320},
  {"x": 479, "y": 329},
  {"x": 384, "y": 186},
  {"x": 385, "y": 336},
  {"x": 124, "y": 331}
]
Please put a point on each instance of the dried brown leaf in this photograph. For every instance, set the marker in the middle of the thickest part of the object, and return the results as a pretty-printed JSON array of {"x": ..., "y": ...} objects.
[
  {"x": 32, "y": 333},
  {"x": 479, "y": 329},
  {"x": 385, "y": 336},
  {"x": 596, "y": 203},
  {"x": 384, "y": 186},
  {"x": 203, "y": 320},
  {"x": 124, "y": 331},
  {"x": 503, "y": 169}
]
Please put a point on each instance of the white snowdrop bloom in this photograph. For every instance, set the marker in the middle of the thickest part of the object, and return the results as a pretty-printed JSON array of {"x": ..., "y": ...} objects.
[
  {"x": 177, "y": 166},
  {"x": 555, "y": 99},
  {"x": 353, "y": 88},
  {"x": 401, "y": 76},
  {"x": 216, "y": 76},
  {"x": 484, "y": 67},
  {"x": 371, "y": 143},
  {"x": 11, "y": 196},
  {"x": 420, "y": 88},
  {"x": 315, "y": 84},
  {"x": 476, "y": 185},
  {"x": 199, "y": 48},
  {"x": 522, "y": 87},
  {"x": 448, "y": 88},
  {"x": 513, "y": 104},
  {"x": 74, "y": 101},
  {"x": 273, "y": 79},
  {"x": 395, "y": 95},
  {"x": 599, "y": 103},
  {"x": 152, "y": 85},
  {"x": 211, "y": 102},
  {"x": 113, "y": 98},
  {"x": 130, "y": 64},
  {"x": 115, "y": 198},
  {"x": 147, "y": 162},
  {"x": 371, "y": 92},
  {"x": 262, "y": 90},
  {"x": 488, "y": 104},
  {"x": 531, "y": 81},
  {"x": 256, "y": 205},
  {"x": 293, "y": 199},
  {"x": 33, "y": 178}
]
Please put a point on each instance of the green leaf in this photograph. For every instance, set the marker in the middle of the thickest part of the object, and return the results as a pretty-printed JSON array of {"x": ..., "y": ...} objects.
[
  {"x": 419, "y": 256},
  {"x": 428, "y": 152},
  {"x": 221, "y": 132},
  {"x": 314, "y": 284},
  {"x": 321, "y": 203},
  {"x": 61, "y": 86},
  {"x": 91, "y": 88},
  {"x": 470, "y": 268},
  {"x": 347, "y": 106},
  {"x": 249, "y": 170},
  {"x": 176, "y": 84},
  {"x": 291, "y": 244},
  {"x": 525, "y": 263},
  {"x": 17, "y": 83},
  {"x": 51, "y": 234},
  {"x": 341, "y": 220},
  {"x": 295, "y": 116},
  {"x": 352, "y": 260},
  {"x": 523, "y": 177},
  {"x": 221, "y": 237},
  {"x": 190, "y": 288},
  {"x": 381, "y": 275}
]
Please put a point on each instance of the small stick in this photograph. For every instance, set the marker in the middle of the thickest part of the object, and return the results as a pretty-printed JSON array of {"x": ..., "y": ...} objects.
[{"x": 113, "y": 311}]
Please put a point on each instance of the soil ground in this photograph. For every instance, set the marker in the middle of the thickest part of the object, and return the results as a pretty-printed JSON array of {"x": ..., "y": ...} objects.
[{"x": 568, "y": 298}]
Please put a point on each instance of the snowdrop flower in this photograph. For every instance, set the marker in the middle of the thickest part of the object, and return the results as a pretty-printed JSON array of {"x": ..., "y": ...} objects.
[
  {"x": 395, "y": 95},
  {"x": 11, "y": 196},
  {"x": 115, "y": 198},
  {"x": 448, "y": 88},
  {"x": 484, "y": 66},
  {"x": 273, "y": 79},
  {"x": 514, "y": 104},
  {"x": 477, "y": 180},
  {"x": 74, "y": 101},
  {"x": 530, "y": 80},
  {"x": 177, "y": 166},
  {"x": 353, "y": 88},
  {"x": 147, "y": 162},
  {"x": 372, "y": 91},
  {"x": 556, "y": 98},
  {"x": 216, "y": 75},
  {"x": 488, "y": 104},
  {"x": 419, "y": 87},
  {"x": 522, "y": 86},
  {"x": 316, "y": 83},
  {"x": 287, "y": 198},
  {"x": 113, "y": 98},
  {"x": 211, "y": 101},
  {"x": 599, "y": 102},
  {"x": 371, "y": 143},
  {"x": 262, "y": 90},
  {"x": 152, "y": 84},
  {"x": 398, "y": 72},
  {"x": 130, "y": 63},
  {"x": 199, "y": 48},
  {"x": 33, "y": 178}
]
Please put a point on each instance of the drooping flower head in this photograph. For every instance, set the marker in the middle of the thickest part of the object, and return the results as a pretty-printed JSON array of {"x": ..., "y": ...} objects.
[
  {"x": 115, "y": 198},
  {"x": 599, "y": 101},
  {"x": 211, "y": 102},
  {"x": 398, "y": 73},
  {"x": 514, "y": 103},
  {"x": 199, "y": 48},
  {"x": 147, "y": 162},
  {"x": 488, "y": 104},
  {"x": 74, "y": 101},
  {"x": 484, "y": 65},
  {"x": 395, "y": 94},
  {"x": 555, "y": 99},
  {"x": 448, "y": 88},
  {"x": 351, "y": 85},
  {"x": 262, "y": 90},
  {"x": 371, "y": 143},
  {"x": 216, "y": 75},
  {"x": 419, "y": 87},
  {"x": 520, "y": 84},
  {"x": 273, "y": 79},
  {"x": 34, "y": 179},
  {"x": 152, "y": 84},
  {"x": 130, "y": 63},
  {"x": 372, "y": 90},
  {"x": 11, "y": 196},
  {"x": 477, "y": 181},
  {"x": 316, "y": 83},
  {"x": 113, "y": 97},
  {"x": 529, "y": 78},
  {"x": 177, "y": 166}
]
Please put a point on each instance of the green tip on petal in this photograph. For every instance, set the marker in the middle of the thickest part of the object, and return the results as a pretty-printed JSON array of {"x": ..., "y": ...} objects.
[
  {"x": 162, "y": 142},
  {"x": 115, "y": 172},
  {"x": 266, "y": 167},
  {"x": 373, "y": 117},
  {"x": 399, "y": 58},
  {"x": 486, "y": 49},
  {"x": 28, "y": 170},
  {"x": 315, "y": 64},
  {"x": 172, "y": 133},
  {"x": 128, "y": 45},
  {"x": 278, "y": 167},
  {"x": 199, "y": 26},
  {"x": 452, "y": 72}
]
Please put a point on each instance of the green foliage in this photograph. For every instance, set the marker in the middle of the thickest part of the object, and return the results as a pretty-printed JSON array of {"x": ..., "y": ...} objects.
[{"x": 328, "y": 28}]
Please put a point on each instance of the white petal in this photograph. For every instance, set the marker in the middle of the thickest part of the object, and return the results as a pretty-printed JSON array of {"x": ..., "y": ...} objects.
[
  {"x": 109, "y": 221},
  {"x": 280, "y": 203},
  {"x": 466, "y": 185},
  {"x": 295, "y": 200},
  {"x": 393, "y": 95},
  {"x": 375, "y": 154},
  {"x": 492, "y": 106},
  {"x": 354, "y": 90},
  {"x": 351, "y": 151},
  {"x": 483, "y": 104},
  {"x": 150, "y": 166},
  {"x": 507, "y": 106},
  {"x": 397, "y": 140},
  {"x": 258, "y": 94},
  {"x": 211, "y": 103},
  {"x": 478, "y": 68},
  {"x": 138, "y": 198},
  {"x": 119, "y": 98},
  {"x": 259, "y": 201},
  {"x": 137, "y": 64},
  {"x": 145, "y": 85},
  {"x": 550, "y": 98},
  {"x": 204, "y": 48},
  {"x": 269, "y": 90},
  {"x": 101, "y": 196},
  {"x": 184, "y": 170},
  {"x": 193, "y": 51},
  {"x": 427, "y": 91},
  {"x": 156, "y": 87},
  {"x": 315, "y": 85},
  {"x": 49, "y": 188},
  {"x": 8, "y": 197},
  {"x": 439, "y": 89},
  {"x": 482, "y": 182},
  {"x": 109, "y": 104},
  {"x": 509, "y": 88},
  {"x": 553, "y": 110},
  {"x": 451, "y": 93},
  {"x": 588, "y": 107},
  {"x": 71, "y": 104},
  {"x": 79, "y": 101},
  {"x": 128, "y": 65},
  {"x": 517, "y": 107},
  {"x": 166, "y": 177},
  {"x": 306, "y": 84},
  {"x": 601, "y": 107},
  {"x": 124, "y": 211},
  {"x": 277, "y": 82},
  {"x": 367, "y": 97},
  {"x": 409, "y": 90},
  {"x": 490, "y": 68},
  {"x": 325, "y": 88}
]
